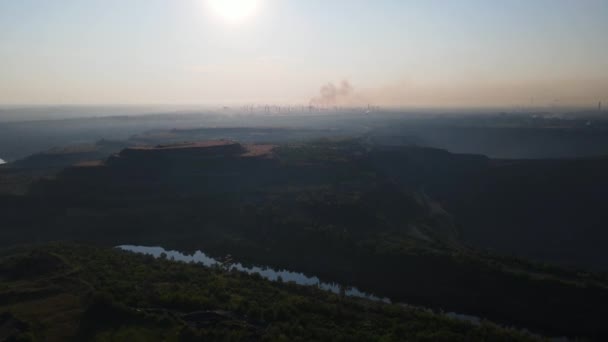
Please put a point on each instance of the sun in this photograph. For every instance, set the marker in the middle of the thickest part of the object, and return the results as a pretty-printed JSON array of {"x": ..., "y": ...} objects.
[{"x": 234, "y": 11}]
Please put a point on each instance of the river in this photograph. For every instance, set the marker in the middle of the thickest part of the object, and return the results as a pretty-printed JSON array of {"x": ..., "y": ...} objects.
[
  {"x": 295, "y": 277},
  {"x": 266, "y": 272}
]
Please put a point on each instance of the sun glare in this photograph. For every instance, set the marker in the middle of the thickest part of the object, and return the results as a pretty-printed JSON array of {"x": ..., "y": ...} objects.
[{"x": 233, "y": 10}]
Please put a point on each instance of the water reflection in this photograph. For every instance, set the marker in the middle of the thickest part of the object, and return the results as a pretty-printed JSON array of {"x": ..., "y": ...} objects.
[
  {"x": 298, "y": 278},
  {"x": 266, "y": 272},
  {"x": 2, "y": 161}
]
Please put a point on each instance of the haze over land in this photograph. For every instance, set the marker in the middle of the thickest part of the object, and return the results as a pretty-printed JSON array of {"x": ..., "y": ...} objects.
[{"x": 283, "y": 170}]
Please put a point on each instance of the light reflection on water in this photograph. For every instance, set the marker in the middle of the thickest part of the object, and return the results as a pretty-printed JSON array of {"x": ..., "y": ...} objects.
[
  {"x": 2, "y": 161},
  {"x": 265, "y": 272},
  {"x": 298, "y": 278}
]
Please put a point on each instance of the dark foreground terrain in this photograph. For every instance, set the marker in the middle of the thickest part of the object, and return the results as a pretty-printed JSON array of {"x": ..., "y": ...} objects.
[
  {"x": 62, "y": 292},
  {"x": 403, "y": 222}
]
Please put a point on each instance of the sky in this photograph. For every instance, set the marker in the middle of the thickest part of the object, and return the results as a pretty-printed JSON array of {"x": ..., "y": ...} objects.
[{"x": 430, "y": 53}]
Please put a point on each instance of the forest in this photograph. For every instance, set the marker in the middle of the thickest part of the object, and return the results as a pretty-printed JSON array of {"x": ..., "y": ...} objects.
[{"x": 69, "y": 292}]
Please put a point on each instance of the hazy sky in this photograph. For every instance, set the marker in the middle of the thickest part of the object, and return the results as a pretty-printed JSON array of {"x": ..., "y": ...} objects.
[{"x": 392, "y": 52}]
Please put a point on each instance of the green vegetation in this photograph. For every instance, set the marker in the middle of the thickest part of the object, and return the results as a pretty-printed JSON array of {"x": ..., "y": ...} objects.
[
  {"x": 67, "y": 292},
  {"x": 339, "y": 209}
]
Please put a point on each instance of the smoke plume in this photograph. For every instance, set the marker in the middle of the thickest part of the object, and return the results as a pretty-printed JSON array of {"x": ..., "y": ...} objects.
[{"x": 331, "y": 95}]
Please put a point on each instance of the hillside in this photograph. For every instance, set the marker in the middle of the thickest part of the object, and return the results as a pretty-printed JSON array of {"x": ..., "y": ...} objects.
[
  {"x": 377, "y": 218},
  {"x": 67, "y": 292},
  {"x": 549, "y": 210}
]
